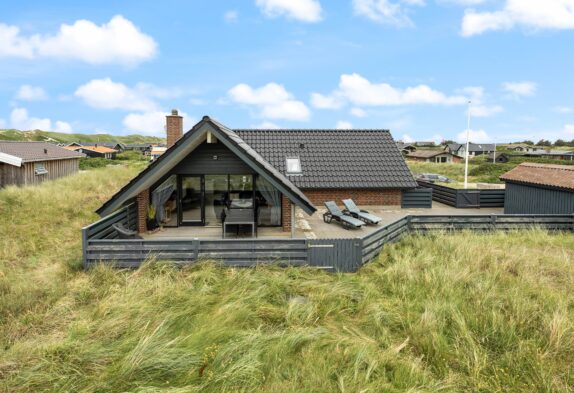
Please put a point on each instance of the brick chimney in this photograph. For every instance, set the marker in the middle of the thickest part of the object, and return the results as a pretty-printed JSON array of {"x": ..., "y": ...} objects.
[{"x": 173, "y": 127}]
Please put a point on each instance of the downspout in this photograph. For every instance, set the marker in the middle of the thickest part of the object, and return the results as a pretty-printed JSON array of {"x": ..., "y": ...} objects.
[{"x": 292, "y": 220}]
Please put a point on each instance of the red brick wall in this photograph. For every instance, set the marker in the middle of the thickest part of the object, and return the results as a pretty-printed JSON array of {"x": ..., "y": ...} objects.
[
  {"x": 286, "y": 207},
  {"x": 385, "y": 197},
  {"x": 142, "y": 204}
]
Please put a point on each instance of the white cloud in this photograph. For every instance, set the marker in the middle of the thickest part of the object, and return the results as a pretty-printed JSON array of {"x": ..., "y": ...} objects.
[
  {"x": 519, "y": 89},
  {"x": 302, "y": 10},
  {"x": 31, "y": 93},
  {"x": 486, "y": 111},
  {"x": 343, "y": 125},
  {"x": 21, "y": 120},
  {"x": 534, "y": 14},
  {"x": 407, "y": 138},
  {"x": 358, "y": 90},
  {"x": 107, "y": 94},
  {"x": 320, "y": 101},
  {"x": 462, "y": 2},
  {"x": 152, "y": 122},
  {"x": 266, "y": 125},
  {"x": 563, "y": 109},
  {"x": 231, "y": 16},
  {"x": 385, "y": 11},
  {"x": 358, "y": 112},
  {"x": 117, "y": 41},
  {"x": 272, "y": 100},
  {"x": 475, "y": 136},
  {"x": 62, "y": 126}
]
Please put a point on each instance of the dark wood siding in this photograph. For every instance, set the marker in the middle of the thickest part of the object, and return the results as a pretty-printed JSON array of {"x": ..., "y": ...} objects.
[
  {"x": 201, "y": 161},
  {"x": 527, "y": 199},
  {"x": 25, "y": 174}
]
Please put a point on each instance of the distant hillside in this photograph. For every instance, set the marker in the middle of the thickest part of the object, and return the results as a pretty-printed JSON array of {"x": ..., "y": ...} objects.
[{"x": 37, "y": 135}]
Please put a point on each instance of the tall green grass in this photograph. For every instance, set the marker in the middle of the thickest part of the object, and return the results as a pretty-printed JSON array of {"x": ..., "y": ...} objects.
[{"x": 455, "y": 313}]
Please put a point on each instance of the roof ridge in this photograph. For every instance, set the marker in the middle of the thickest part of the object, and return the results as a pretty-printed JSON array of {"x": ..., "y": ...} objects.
[
  {"x": 548, "y": 166},
  {"x": 311, "y": 129}
]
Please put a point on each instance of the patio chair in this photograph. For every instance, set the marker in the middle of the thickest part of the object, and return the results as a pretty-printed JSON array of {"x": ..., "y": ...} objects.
[
  {"x": 353, "y": 211},
  {"x": 124, "y": 233},
  {"x": 334, "y": 213}
]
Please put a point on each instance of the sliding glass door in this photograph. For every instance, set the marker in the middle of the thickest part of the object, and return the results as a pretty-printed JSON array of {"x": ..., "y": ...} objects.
[{"x": 191, "y": 200}]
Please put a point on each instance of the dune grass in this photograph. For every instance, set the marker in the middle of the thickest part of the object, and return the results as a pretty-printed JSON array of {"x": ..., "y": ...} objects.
[{"x": 454, "y": 313}]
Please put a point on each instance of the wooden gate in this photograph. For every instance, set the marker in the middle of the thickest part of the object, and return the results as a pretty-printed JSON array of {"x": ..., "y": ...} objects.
[
  {"x": 467, "y": 198},
  {"x": 341, "y": 255}
]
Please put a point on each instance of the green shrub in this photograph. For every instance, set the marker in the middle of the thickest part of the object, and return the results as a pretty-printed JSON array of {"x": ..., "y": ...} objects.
[
  {"x": 130, "y": 155},
  {"x": 91, "y": 163}
]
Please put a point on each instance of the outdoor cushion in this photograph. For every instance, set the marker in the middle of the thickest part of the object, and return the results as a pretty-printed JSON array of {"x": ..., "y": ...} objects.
[{"x": 364, "y": 215}]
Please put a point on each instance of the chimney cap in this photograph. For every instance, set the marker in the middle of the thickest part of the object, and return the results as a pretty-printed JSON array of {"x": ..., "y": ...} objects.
[
  {"x": 174, "y": 112},
  {"x": 206, "y": 118}
]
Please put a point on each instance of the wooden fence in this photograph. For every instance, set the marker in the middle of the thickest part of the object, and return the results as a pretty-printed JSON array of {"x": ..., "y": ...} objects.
[
  {"x": 342, "y": 255},
  {"x": 470, "y": 198},
  {"x": 417, "y": 198}
]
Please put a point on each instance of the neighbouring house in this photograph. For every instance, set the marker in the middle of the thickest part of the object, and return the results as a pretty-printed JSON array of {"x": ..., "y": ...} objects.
[
  {"x": 118, "y": 147},
  {"x": 436, "y": 156},
  {"x": 95, "y": 151},
  {"x": 144, "y": 148},
  {"x": 533, "y": 188},
  {"x": 499, "y": 158},
  {"x": 157, "y": 151},
  {"x": 406, "y": 148},
  {"x": 474, "y": 149},
  {"x": 520, "y": 147},
  {"x": 424, "y": 143},
  {"x": 213, "y": 169},
  {"x": 25, "y": 163},
  {"x": 551, "y": 154}
]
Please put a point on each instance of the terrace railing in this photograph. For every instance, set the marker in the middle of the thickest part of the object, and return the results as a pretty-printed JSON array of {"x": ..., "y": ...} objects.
[
  {"x": 101, "y": 245},
  {"x": 460, "y": 198}
]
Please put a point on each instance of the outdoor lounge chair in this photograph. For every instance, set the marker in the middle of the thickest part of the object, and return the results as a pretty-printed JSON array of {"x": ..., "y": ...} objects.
[
  {"x": 353, "y": 211},
  {"x": 124, "y": 233},
  {"x": 334, "y": 213}
]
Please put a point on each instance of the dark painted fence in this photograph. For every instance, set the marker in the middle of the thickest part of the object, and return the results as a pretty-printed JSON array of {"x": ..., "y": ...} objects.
[
  {"x": 417, "y": 198},
  {"x": 461, "y": 199},
  {"x": 342, "y": 255}
]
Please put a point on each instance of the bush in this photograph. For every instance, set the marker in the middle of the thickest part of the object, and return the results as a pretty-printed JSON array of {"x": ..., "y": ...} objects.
[
  {"x": 91, "y": 163},
  {"x": 130, "y": 155}
]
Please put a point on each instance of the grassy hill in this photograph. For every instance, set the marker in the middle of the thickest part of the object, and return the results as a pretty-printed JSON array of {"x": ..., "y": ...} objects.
[
  {"x": 464, "y": 312},
  {"x": 37, "y": 135}
]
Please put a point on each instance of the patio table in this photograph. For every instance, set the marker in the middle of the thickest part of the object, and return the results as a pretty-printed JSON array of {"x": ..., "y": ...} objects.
[{"x": 239, "y": 217}]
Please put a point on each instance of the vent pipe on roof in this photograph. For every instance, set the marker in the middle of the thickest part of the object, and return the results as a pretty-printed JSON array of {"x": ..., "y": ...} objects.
[
  {"x": 45, "y": 151},
  {"x": 173, "y": 127}
]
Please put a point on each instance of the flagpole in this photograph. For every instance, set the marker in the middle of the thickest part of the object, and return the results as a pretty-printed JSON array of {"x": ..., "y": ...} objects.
[{"x": 466, "y": 151}]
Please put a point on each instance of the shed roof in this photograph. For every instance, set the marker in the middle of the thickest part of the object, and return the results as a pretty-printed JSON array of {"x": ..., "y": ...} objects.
[
  {"x": 334, "y": 158},
  {"x": 559, "y": 176},
  {"x": 16, "y": 153}
]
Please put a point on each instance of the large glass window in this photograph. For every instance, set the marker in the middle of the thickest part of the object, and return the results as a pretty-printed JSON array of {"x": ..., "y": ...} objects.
[
  {"x": 268, "y": 203},
  {"x": 191, "y": 199},
  {"x": 216, "y": 190},
  {"x": 241, "y": 191},
  {"x": 164, "y": 200}
]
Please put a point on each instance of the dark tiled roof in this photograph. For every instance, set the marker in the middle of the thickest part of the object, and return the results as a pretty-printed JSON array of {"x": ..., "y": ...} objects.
[
  {"x": 334, "y": 158},
  {"x": 560, "y": 176},
  {"x": 427, "y": 153},
  {"x": 110, "y": 145},
  {"x": 37, "y": 151}
]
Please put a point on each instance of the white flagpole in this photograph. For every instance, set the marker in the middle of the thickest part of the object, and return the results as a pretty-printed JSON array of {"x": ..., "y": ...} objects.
[
  {"x": 494, "y": 157},
  {"x": 466, "y": 151}
]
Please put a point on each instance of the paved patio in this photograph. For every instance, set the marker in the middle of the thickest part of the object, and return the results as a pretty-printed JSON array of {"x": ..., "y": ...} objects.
[{"x": 313, "y": 227}]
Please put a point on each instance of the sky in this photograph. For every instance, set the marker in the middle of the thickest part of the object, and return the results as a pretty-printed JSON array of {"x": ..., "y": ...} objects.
[{"x": 409, "y": 66}]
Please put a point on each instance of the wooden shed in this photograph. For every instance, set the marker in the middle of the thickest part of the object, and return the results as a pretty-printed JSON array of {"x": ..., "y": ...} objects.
[
  {"x": 24, "y": 163},
  {"x": 533, "y": 188}
]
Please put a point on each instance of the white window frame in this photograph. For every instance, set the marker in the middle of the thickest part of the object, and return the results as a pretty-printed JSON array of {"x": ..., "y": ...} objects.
[
  {"x": 40, "y": 168},
  {"x": 298, "y": 163}
]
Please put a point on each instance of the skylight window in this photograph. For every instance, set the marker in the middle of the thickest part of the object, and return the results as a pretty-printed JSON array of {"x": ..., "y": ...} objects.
[{"x": 293, "y": 166}]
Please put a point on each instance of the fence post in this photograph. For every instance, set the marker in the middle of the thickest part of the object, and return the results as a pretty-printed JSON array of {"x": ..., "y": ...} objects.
[
  {"x": 196, "y": 248},
  {"x": 493, "y": 221},
  {"x": 85, "y": 248}
]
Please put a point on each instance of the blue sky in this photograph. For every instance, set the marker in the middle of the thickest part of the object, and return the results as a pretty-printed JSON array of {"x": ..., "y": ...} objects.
[{"x": 406, "y": 65}]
